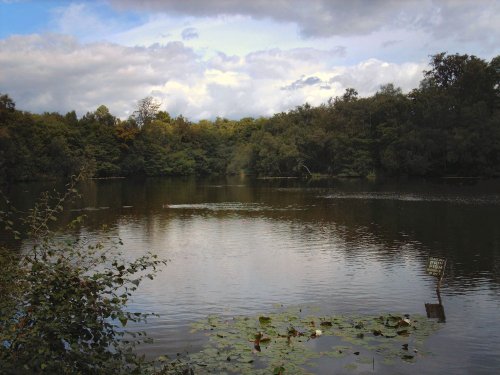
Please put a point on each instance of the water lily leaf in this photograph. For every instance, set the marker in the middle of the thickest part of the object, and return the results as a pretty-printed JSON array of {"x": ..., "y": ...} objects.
[
  {"x": 287, "y": 340},
  {"x": 264, "y": 319}
]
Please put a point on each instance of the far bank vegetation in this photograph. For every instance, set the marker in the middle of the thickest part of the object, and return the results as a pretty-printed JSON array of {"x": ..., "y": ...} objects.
[{"x": 448, "y": 126}]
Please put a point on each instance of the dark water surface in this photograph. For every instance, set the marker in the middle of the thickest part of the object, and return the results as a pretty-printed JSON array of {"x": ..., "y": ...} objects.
[{"x": 240, "y": 246}]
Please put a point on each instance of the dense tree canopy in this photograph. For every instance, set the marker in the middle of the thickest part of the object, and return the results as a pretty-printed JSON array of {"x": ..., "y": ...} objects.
[{"x": 448, "y": 126}]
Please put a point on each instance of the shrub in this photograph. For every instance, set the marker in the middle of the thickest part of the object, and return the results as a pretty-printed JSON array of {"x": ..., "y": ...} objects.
[{"x": 63, "y": 301}]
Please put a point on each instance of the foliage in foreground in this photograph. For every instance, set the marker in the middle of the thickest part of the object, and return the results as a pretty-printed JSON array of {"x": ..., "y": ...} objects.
[{"x": 63, "y": 300}]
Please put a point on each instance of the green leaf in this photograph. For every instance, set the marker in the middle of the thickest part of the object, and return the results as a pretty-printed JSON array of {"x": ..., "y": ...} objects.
[{"x": 264, "y": 319}]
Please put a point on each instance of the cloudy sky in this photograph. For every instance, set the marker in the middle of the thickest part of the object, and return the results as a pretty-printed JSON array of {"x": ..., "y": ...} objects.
[{"x": 208, "y": 58}]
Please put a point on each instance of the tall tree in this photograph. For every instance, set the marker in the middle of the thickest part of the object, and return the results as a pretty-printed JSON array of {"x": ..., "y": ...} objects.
[{"x": 146, "y": 111}]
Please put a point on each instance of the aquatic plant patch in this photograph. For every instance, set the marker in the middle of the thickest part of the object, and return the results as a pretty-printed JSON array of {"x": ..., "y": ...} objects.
[{"x": 294, "y": 340}]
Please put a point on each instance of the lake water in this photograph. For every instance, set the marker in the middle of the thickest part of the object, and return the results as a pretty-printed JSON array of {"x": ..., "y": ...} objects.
[{"x": 241, "y": 246}]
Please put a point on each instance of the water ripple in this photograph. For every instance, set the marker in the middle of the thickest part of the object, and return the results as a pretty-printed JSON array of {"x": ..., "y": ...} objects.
[
  {"x": 232, "y": 206},
  {"x": 412, "y": 197}
]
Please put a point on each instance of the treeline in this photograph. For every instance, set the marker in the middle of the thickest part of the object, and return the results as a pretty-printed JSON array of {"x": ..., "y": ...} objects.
[{"x": 449, "y": 126}]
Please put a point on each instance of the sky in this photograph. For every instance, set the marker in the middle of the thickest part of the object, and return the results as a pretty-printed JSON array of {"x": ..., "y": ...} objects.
[{"x": 221, "y": 58}]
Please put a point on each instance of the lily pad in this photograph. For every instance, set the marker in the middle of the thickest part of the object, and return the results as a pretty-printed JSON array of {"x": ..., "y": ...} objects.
[{"x": 288, "y": 339}]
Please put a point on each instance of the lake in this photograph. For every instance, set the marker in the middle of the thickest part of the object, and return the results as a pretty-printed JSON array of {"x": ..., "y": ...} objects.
[{"x": 240, "y": 246}]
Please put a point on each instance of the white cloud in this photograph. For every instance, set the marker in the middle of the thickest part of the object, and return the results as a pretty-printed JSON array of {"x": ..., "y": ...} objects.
[
  {"x": 463, "y": 19},
  {"x": 388, "y": 30},
  {"x": 57, "y": 73},
  {"x": 367, "y": 76}
]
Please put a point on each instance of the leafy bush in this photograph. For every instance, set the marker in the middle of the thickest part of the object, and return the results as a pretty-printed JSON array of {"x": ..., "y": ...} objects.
[{"x": 63, "y": 301}]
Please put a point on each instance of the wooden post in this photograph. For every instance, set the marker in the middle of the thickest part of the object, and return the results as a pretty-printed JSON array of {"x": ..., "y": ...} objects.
[{"x": 441, "y": 278}]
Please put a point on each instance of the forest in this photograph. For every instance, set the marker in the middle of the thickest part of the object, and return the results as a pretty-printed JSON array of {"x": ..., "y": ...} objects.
[{"x": 448, "y": 126}]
